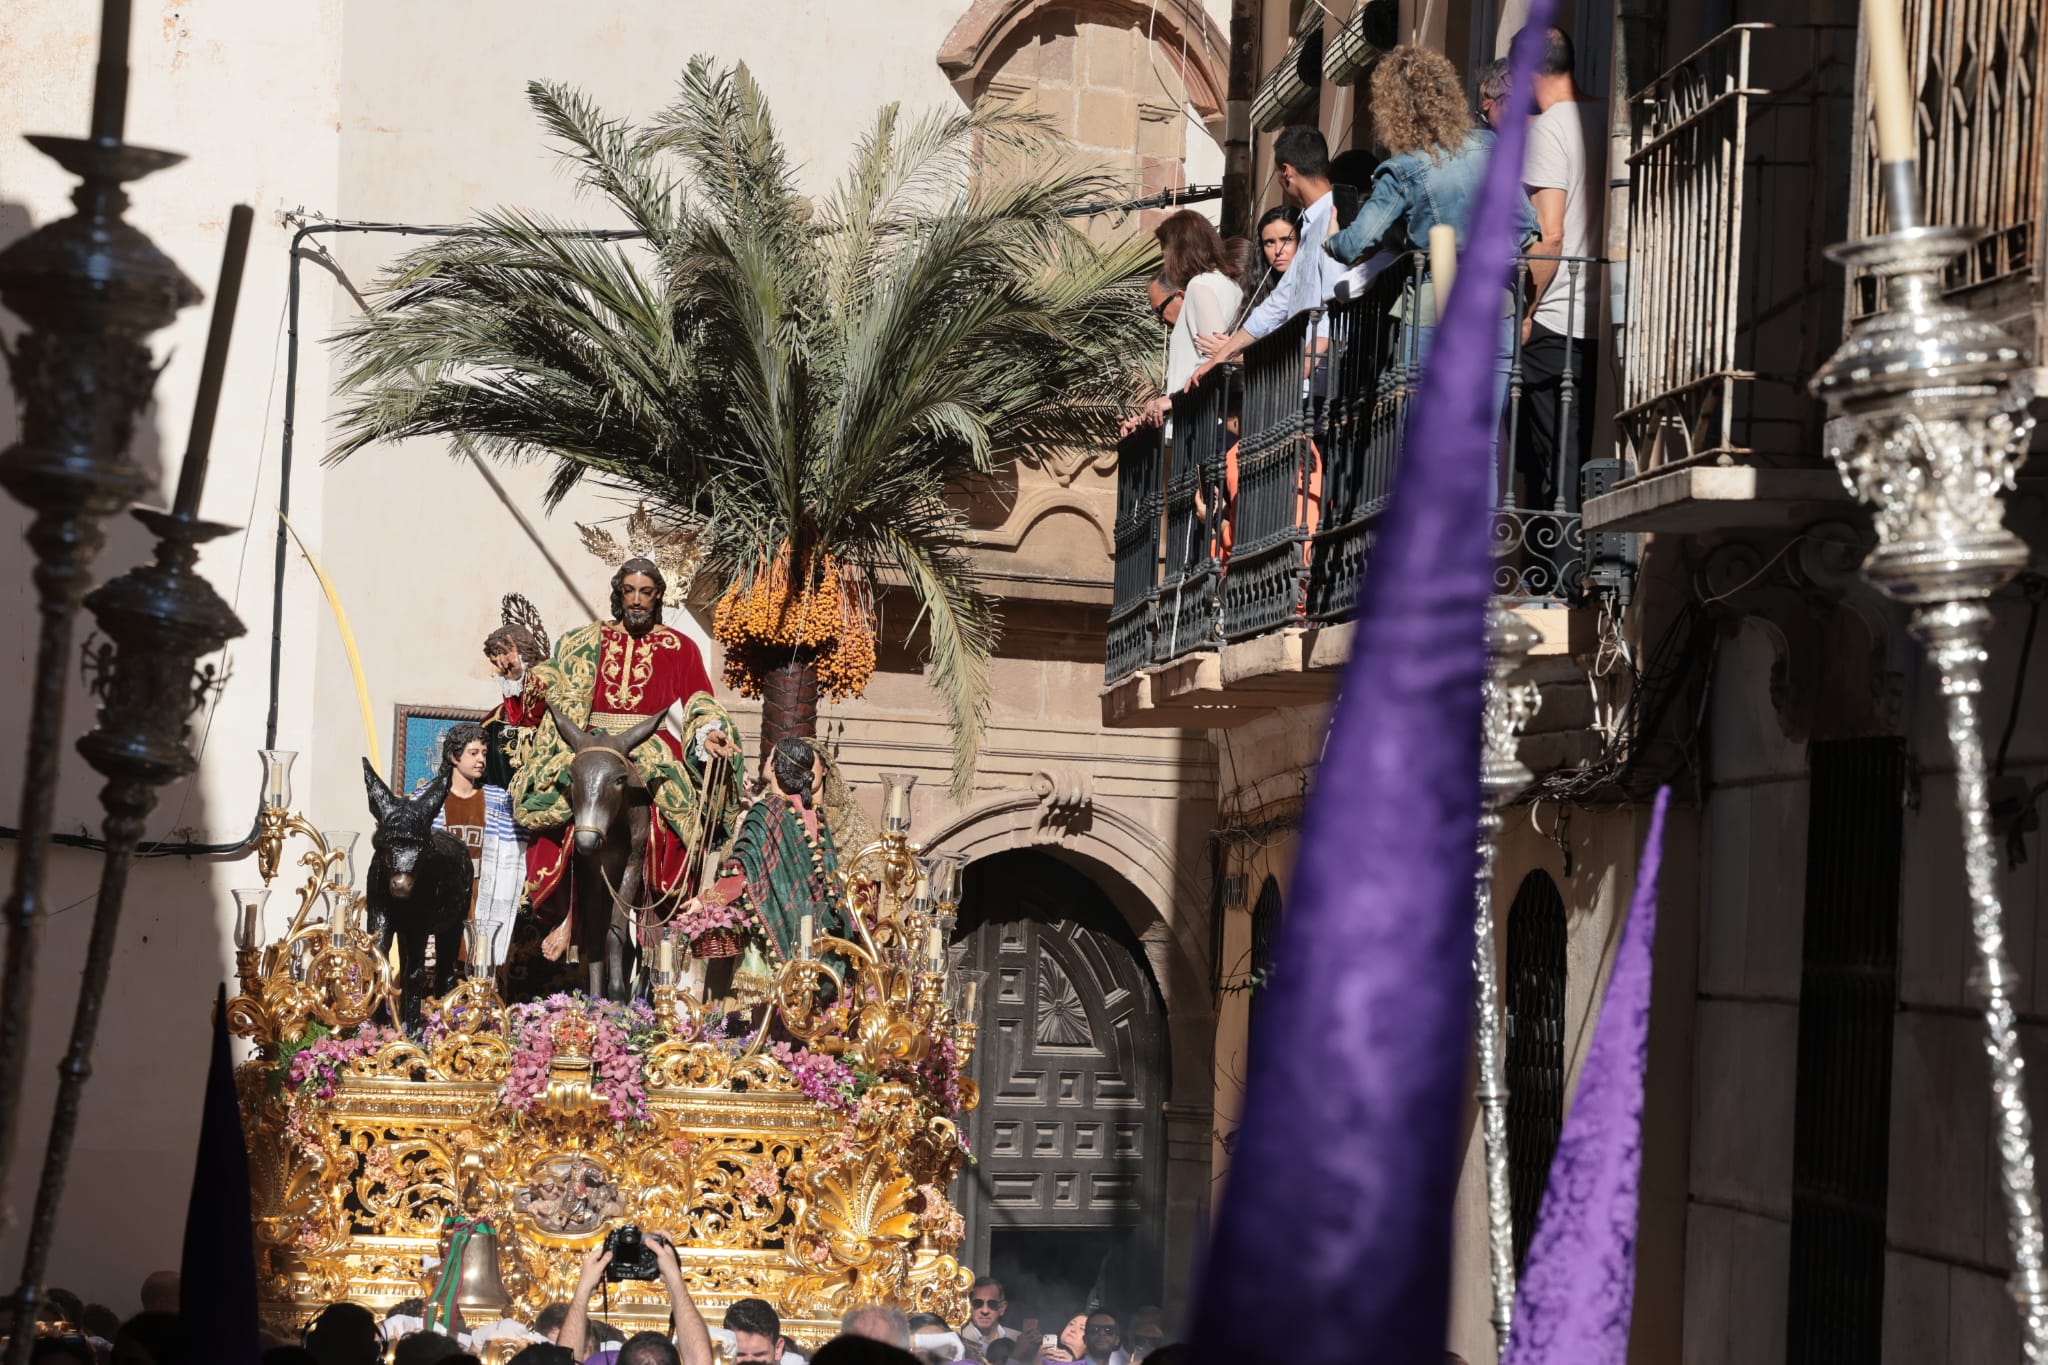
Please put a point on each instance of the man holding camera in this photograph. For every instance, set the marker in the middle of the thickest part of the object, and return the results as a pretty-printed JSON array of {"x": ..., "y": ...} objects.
[{"x": 629, "y": 1248}]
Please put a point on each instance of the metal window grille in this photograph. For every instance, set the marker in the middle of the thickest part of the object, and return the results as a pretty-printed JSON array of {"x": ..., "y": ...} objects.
[
  {"x": 1978, "y": 67},
  {"x": 1535, "y": 1004},
  {"x": 1723, "y": 322},
  {"x": 1848, "y": 999}
]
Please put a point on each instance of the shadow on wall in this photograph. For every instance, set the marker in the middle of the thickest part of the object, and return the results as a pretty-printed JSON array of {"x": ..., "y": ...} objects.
[{"x": 131, "y": 1162}]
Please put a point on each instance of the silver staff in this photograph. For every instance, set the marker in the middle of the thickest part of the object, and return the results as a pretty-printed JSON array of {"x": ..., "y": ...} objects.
[
  {"x": 1502, "y": 775},
  {"x": 1927, "y": 406}
]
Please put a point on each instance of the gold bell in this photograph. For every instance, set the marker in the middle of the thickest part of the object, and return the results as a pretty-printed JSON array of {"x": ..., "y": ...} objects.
[{"x": 479, "y": 1287}]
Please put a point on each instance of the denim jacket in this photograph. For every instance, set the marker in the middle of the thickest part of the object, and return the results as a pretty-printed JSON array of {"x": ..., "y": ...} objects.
[{"x": 1418, "y": 191}]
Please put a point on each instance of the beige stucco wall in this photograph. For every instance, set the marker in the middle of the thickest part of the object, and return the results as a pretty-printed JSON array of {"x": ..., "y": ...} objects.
[{"x": 401, "y": 112}]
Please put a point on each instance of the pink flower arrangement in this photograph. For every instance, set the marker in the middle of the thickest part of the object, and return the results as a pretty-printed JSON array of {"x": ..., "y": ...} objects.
[
  {"x": 617, "y": 1035},
  {"x": 940, "y": 1074},
  {"x": 823, "y": 1078},
  {"x": 940, "y": 1220},
  {"x": 318, "y": 1065},
  {"x": 708, "y": 916}
]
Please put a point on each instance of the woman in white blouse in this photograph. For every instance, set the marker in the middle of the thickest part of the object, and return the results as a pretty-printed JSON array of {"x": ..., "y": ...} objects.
[{"x": 1196, "y": 291}]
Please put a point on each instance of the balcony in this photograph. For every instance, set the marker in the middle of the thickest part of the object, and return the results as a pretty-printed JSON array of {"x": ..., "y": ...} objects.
[
  {"x": 1244, "y": 532},
  {"x": 1729, "y": 307}
]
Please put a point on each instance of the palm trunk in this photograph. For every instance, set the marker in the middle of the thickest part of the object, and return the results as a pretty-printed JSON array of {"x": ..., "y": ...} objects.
[{"x": 789, "y": 701}]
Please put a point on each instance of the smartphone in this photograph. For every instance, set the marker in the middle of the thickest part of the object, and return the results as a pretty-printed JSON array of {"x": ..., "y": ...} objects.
[{"x": 1048, "y": 1342}]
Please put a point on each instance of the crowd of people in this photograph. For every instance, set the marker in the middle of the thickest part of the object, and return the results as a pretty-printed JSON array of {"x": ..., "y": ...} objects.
[
  {"x": 72, "y": 1332},
  {"x": 1348, "y": 216}
]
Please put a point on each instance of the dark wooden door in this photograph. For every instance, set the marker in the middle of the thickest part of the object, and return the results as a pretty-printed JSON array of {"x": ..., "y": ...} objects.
[{"x": 1069, "y": 1136}]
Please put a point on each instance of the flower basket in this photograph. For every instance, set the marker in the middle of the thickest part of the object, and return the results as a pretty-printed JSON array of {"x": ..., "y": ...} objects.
[{"x": 720, "y": 942}]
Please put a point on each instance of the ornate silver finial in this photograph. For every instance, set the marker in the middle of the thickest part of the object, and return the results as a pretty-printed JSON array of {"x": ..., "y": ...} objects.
[
  {"x": 1928, "y": 424},
  {"x": 1509, "y": 707}
]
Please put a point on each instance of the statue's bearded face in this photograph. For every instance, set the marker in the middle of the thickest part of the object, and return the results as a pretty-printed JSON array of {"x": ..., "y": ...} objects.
[{"x": 639, "y": 600}]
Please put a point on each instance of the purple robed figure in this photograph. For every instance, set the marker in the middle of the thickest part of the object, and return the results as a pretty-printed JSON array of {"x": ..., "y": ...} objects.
[
  {"x": 1337, "y": 1213},
  {"x": 1572, "y": 1305}
]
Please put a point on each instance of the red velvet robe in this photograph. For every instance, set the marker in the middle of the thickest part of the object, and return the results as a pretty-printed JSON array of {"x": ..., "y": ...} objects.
[{"x": 635, "y": 678}]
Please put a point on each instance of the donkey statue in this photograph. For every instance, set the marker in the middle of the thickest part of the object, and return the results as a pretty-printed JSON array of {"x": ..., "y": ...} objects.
[
  {"x": 418, "y": 890},
  {"x": 609, "y": 809}
]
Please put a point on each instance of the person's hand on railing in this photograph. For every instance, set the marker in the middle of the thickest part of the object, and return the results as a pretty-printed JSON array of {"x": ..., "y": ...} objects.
[
  {"x": 1201, "y": 373},
  {"x": 1151, "y": 415}
]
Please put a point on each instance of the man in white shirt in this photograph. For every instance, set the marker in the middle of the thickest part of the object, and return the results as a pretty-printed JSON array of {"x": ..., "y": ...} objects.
[
  {"x": 1563, "y": 172},
  {"x": 1303, "y": 160}
]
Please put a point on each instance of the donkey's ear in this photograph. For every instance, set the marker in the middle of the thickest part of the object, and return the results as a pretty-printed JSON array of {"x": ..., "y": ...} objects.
[
  {"x": 382, "y": 802},
  {"x": 574, "y": 735},
  {"x": 632, "y": 739},
  {"x": 429, "y": 798}
]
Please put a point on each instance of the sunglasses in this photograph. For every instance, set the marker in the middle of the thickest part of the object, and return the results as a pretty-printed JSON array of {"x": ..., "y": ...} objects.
[
  {"x": 984, "y": 1303},
  {"x": 1159, "y": 308}
]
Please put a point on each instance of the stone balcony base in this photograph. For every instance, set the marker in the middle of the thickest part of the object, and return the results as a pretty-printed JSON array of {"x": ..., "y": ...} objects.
[
  {"x": 1690, "y": 499},
  {"x": 1299, "y": 666}
]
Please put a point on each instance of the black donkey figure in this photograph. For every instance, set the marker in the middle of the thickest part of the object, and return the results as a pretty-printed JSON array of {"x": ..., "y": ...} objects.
[{"x": 418, "y": 890}]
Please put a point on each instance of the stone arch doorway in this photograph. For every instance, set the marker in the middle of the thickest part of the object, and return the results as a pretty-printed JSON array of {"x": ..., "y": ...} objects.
[
  {"x": 1066, "y": 1199},
  {"x": 1535, "y": 1050}
]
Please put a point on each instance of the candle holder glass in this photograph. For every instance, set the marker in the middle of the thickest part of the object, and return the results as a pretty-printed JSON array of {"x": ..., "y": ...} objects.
[
  {"x": 277, "y": 777},
  {"x": 249, "y": 901},
  {"x": 896, "y": 801},
  {"x": 341, "y": 850},
  {"x": 476, "y": 947},
  {"x": 944, "y": 871}
]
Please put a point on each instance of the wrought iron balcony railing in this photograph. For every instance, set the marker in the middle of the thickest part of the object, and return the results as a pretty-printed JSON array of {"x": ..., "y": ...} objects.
[
  {"x": 1191, "y": 562},
  {"x": 1260, "y": 511},
  {"x": 1728, "y": 307}
]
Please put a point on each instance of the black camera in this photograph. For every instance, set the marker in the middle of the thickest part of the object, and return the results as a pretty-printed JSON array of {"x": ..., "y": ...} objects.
[{"x": 632, "y": 1254}]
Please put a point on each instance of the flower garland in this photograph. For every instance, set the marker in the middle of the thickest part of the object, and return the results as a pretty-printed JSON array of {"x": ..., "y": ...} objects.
[
  {"x": 617, "y": 1036},
  {"x": 317, "y": 1066},
  {"x": 823, "y": 1078}
]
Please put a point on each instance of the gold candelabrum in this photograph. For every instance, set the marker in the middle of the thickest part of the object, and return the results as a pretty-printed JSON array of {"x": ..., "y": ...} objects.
[
  {"x": 326, "y": 966},
  {"x": 814, "y": 1198}
]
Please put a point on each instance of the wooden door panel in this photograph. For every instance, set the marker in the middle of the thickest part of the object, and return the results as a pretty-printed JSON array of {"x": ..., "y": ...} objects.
[{"x": 1071, "y": 1073}]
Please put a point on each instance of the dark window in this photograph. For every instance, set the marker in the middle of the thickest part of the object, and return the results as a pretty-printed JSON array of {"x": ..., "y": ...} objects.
[
  {"x": 1535, "y": 1061},
  {"x": 1848, "y": 995},
  {"x": 1265, "y": 933}
]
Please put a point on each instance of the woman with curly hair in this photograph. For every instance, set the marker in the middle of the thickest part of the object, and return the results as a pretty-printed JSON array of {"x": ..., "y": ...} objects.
[
  {"x": 1436, "y": 157},
  {"x": 1432, "y": 175}
]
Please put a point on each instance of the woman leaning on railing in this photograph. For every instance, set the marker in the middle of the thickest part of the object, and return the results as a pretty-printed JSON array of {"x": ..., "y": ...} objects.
[{"x": 1436, "y": 164}]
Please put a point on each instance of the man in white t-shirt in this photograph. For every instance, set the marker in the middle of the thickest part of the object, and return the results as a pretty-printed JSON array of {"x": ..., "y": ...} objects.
[{"x": 1563, "y": 170}]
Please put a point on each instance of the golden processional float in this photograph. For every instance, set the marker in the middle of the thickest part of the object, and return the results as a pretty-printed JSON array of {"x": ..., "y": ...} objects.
[{"x": 803, "y": 1160}]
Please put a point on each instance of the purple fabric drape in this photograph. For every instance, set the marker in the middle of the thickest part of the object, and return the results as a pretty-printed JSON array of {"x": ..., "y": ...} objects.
[
  {"x": 1572, "y": 1304},
  {"x": 1332, "y": 1244}
]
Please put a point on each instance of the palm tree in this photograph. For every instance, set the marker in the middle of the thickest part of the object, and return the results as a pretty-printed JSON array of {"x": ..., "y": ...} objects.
[{"x": 797, "y": 385}]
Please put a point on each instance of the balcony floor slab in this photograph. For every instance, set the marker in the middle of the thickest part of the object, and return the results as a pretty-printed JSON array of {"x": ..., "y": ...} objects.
[{"x": 1696, "y": 498}]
